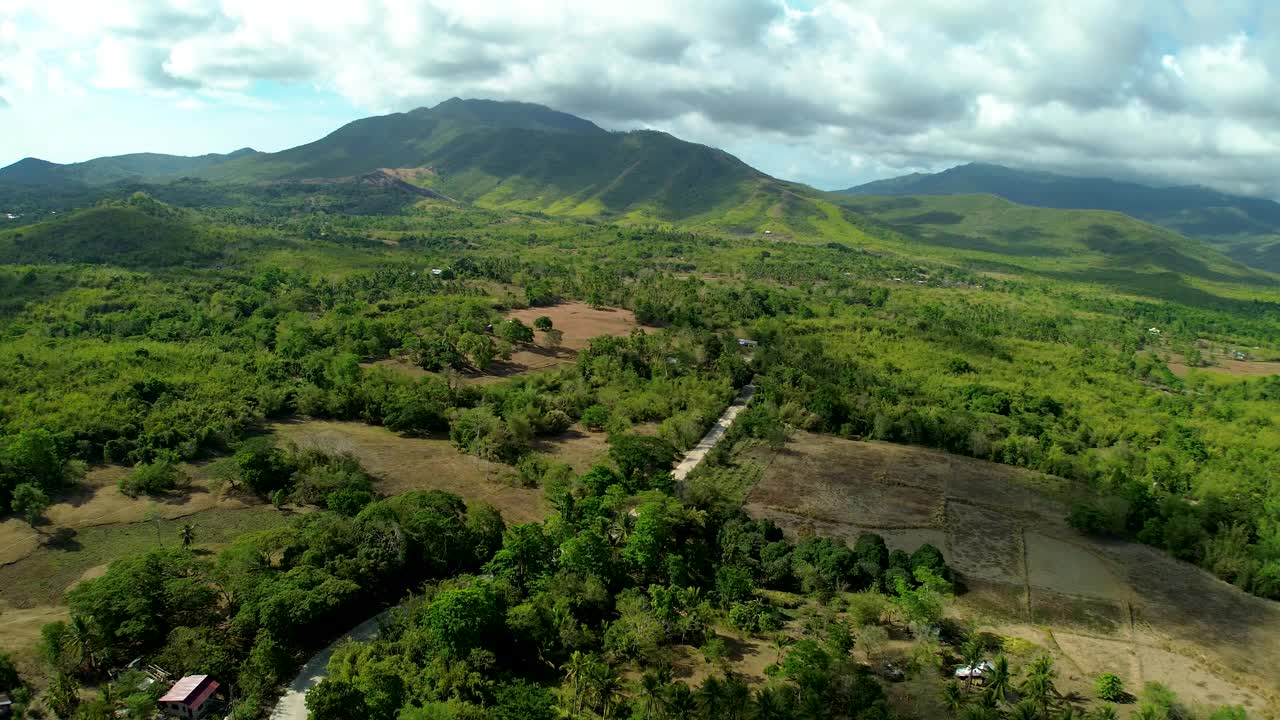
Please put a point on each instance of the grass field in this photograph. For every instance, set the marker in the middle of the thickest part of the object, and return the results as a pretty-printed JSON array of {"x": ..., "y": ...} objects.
[{"x": 1098, "y": 606}]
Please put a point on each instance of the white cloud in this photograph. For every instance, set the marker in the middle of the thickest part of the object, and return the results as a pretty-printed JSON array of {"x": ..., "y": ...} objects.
[{"x": 1172, "y": 90}]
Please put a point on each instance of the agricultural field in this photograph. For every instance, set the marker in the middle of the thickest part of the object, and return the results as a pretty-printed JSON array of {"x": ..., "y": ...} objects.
[{"x": 1101, "y": 606}]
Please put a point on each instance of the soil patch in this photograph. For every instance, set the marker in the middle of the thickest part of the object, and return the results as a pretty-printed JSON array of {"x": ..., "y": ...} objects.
[
  {"x": 1004, "y": 531},
  {"x": 400, "y": 464},
  {"x": 1224, "y": 365}
]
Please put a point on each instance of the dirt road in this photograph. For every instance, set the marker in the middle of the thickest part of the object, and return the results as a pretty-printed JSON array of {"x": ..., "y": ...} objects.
[{"x": 713, "y": 436}]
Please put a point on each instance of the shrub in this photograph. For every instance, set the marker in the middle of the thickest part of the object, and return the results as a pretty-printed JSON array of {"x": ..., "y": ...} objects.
[
  {"x": 1110, "y": 687},
  {"x": 543, "y": 323},
  {"x": 152, "y": 478},
  {"x": 595, "y": 418}
]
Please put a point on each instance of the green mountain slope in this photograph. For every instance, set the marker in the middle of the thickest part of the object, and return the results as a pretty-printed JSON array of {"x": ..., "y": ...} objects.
[
  {"x": 530, "y": 158},
  {"x": 136, "y": 232},
  {"x": 1246, "y": 228},
  {"x": 1099, "y": 246},
  {"x": 147, "y": 167}
]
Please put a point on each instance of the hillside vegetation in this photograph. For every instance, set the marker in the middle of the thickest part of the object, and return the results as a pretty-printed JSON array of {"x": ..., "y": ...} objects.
[{"x": 1246, "y": 228}]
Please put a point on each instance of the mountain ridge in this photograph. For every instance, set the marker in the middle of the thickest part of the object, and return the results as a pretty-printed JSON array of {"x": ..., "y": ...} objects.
[{"x": 1245, "y": 228}]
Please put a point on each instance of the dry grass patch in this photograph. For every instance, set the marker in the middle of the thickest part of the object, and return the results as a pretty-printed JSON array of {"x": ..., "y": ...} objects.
[
  {"x": 1004, "y": 530},
  {"x": 400, "y": 464}
]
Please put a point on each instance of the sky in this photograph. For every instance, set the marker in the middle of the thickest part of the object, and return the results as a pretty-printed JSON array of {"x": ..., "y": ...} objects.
[{"x": 828, "y": 92}]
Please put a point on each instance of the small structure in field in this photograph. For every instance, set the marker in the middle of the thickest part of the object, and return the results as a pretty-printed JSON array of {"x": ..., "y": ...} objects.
[
  {"x": 6, "y": 706},
  {"x": 1153, "y": 331},
  {"x": 975, "y": 673},
  {"x": 744, "y": 342},
  {"x": 192, "y": 697}
]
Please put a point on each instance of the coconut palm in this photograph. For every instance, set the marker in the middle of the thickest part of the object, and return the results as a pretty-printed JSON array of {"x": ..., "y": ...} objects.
[
  {"x": 999, "y": 681},
  {"x": 575, "y": 670},
  {"x": 737, "y": 698},
  {"x": 679, "y": 701},
  {"x": 188, "y": 534},
  {"x": 81, "y": 642},
  {"x": 711, "y": 698},
  {"x": 1038, "y": 688},
  {"x": 605, "y": 687},
  {"x": 651, "y": 687},
  {"x": 1105, "y": 712},
  {"x": 1025, "y": 710},
  {"x": 953, "y": 696},
  {"x": 979, "y": 712},
  {"x": 770, "y": 704}
]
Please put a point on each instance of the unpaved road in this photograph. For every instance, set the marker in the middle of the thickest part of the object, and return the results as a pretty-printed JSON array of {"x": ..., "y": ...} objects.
[
  {"x": 713, "y": 436},
  {"x": 292, "y": 705}
]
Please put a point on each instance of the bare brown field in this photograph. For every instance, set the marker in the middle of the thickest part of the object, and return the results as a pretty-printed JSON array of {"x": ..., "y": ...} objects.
[
  {"x": 1099, "y": 606},
  {"x": 1224, "y": 365},
  {"x": 400, "y": 464},
  {"x": 578, "y": 322}
]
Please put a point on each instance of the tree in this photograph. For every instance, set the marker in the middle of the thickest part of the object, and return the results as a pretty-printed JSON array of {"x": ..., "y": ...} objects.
[
  {"x": 188, "y": 534},
  {"x": 543, "y": 323},
  {"x": 575, "y": 673},
  {"x": 644, "y": 461},
  {"x": 8, "y": 672},
  {"x": 1038, "y": 688},
  {"x": 1109, "y": 687},
  {"x": 595, "y": 417},
  {"x": 952, "y": 696},
  {"x": 999, "y": 683},
  {"x": 333, "y": 699},
  {"x": 1104, "y": 712},
  {"x": 515, "y": 331},
  {"x": 651, "y": 687},
  {"x": 30, "y": 502}
]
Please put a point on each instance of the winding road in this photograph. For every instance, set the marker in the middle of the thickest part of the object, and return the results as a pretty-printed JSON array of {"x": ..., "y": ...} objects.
[{"x": 293, "y": 706}]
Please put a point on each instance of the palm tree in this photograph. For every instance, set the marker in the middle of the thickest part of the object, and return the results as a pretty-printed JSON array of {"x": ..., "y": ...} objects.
[
  {"x": 81, "y": 640},
  {"x": 1106, "y": 712},
  {"x": 651, "y": 686},
  {"x": 710, "y": 698},
  {"x": 1068, "y": 713},
  {"x": 1039, "y": 689},
  {"x": 679, "y": 701},
  {"x": 971, "y": 653},
  {"x": 1025, "y": 710},
  {"x": 188, "y": 535},
  {"x": 575, "y": 670},
  {"x": 737, "y": 697},
  {"x": 769, "y": 705},
  {"x": 1000, "y": 682},
  {"x": 606, "y": 687},
  {"x": 979, "y": 712},
  {"x": 953, "y": 696}
]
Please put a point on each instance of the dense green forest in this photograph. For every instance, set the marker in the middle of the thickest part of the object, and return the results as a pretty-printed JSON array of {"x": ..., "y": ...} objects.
[{"x": 151, "y": 329}]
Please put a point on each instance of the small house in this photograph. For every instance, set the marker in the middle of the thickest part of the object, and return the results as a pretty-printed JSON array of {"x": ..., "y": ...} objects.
[
  {"x": 743, "y": 342},
  {"x": 975, "y": 673},
  {"x": 6, "y": 706},
  {"x": 1153, "y": 331},
  {"x": 191, "y": 698},
  {"x": 437, "y": 272}
]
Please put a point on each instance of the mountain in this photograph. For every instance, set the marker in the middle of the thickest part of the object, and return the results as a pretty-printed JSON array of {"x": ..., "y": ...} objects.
[
  {"x": 145, "y": 167},
  {"x": 1101, "y": 247},
  {"x": 527, "y": 157},
  {"x": 1245, "y": 228}
]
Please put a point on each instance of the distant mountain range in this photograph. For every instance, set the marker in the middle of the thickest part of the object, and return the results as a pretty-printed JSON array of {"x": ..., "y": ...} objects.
[
  {"x": 509, "y": 155},
  {"x": 1245, "y": 228},
  {"x": 529, "y": 158}
]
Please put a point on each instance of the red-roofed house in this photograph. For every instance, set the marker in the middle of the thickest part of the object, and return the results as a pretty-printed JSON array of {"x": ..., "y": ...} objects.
[{"x": 191, "y": 697}]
